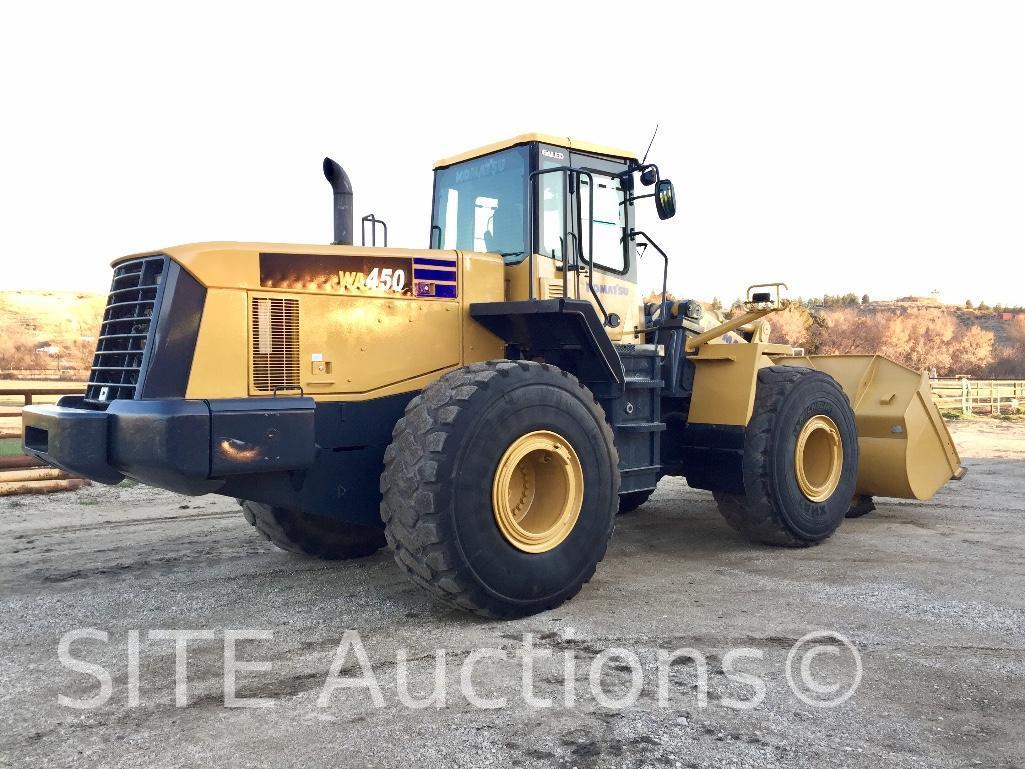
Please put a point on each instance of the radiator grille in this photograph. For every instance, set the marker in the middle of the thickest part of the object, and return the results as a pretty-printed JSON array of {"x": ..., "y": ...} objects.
[
  {"x": 275, "y": 344},
  {"x": 126, "y": 330}
]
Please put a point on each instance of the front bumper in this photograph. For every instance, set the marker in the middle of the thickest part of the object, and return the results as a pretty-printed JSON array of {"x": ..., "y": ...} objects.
[{"x": 188, "y": 446}]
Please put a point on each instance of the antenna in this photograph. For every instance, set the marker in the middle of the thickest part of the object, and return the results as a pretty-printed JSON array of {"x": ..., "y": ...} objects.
[{"x": 649, "y": 144}]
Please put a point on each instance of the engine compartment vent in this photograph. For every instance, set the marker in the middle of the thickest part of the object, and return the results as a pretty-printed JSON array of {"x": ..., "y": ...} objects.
[
  {"x": 551, "y": 289},
  {"x": 275, "y": 344}
]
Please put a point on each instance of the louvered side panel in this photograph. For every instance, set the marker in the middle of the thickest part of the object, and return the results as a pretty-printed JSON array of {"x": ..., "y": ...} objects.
[
  {"x": 274, "y": 344},
  {"x": 550, "y": 289}
]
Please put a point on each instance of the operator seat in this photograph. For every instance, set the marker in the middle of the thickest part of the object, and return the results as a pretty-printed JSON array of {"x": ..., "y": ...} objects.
[{"x": 506, "y": 235}]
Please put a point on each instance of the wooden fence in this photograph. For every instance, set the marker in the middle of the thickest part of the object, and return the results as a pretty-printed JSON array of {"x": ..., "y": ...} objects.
[
  {"x": 979, "y": 396},
  {"x": 67, "y": 375},
  {"x": 20, "y": 474}
]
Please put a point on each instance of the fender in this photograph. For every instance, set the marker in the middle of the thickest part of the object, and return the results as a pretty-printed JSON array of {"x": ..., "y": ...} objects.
[{"x": 566, "y": 332}]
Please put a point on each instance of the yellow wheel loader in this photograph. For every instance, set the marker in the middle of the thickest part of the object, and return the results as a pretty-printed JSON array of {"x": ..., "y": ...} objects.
[{"x": 487, "y": 405}]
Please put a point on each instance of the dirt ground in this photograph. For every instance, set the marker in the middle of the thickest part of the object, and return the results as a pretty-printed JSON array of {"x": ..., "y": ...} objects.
[{"x": 932, "y": 595}]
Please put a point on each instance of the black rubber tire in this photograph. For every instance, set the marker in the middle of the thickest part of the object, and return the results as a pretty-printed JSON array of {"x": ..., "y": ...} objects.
[
  {"x": 862, "y": 505},
  {"x": 632, "y": 500},
  {"x": 312, "y": 534},
  {"x": 773, "y": 510},
  {"x": 437, "y": 483}
]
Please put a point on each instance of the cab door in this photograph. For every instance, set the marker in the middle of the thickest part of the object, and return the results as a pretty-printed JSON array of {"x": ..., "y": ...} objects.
[{"x": 614, "y": 269}]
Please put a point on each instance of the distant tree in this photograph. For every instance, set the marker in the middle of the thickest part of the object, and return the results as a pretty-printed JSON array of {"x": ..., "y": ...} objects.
[
  {"x": 968, "y": 304},
  {"x": 791, "y": 326},
  {"x": 840, "y": 300},
  {"x": 998, "y": 307},
  {"x": 1010, "y": 357},
  {"x": 921, "y": 340},
  {"x": 843, "y": 332},
  {"x": 17, "y": 349},
  {"x": 1017, "y": 336},
  {"x": 971, "y": 350},
  {"x": 716, "y": 304},
  {"x": 78, "y": 354},
  {"x": 865, "y": 299},
  {"x": 983, "y": 307}
]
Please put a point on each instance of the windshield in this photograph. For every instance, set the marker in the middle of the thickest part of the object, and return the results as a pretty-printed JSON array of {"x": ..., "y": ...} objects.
[{"x": 479, "y": 204}]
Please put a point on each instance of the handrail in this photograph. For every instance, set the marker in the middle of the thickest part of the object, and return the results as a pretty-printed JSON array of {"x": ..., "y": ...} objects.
[
  {"x": 374, "y": 221},
  {"x": 633, "y": 235}
]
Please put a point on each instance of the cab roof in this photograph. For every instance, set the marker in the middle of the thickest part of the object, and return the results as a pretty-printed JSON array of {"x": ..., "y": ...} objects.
[{"x": 558, "y": 141}]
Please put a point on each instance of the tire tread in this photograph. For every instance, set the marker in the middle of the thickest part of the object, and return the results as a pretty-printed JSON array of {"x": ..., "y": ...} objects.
[
  {"x": 317, "y": 536},
  {"x": 410, "y": 487},
  {"x": 754, "y": 515}
]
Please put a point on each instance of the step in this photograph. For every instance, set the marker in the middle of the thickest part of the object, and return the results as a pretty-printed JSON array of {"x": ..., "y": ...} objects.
[
  {"x": 639, "y": 383},
  {"x": 641, "y": 427},
  {"x": 639, "y": 470}
]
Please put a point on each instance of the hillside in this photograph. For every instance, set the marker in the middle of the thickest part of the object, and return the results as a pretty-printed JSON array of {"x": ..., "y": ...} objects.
[
  {"x": 921, "y": 333},
  {"x": 65, "y": 320},
  {"x": 51, "y": 313},
  {"x": 997, "y": 323}
]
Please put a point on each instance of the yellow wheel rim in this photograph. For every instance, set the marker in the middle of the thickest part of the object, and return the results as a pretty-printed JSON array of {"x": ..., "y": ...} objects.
[
  {"x": 538, "y": 491},
  {"x": 818, "y": 458}
]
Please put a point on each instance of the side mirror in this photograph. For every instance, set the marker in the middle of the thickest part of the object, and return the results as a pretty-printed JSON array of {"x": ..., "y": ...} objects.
[{"x": 665, "y": 199}]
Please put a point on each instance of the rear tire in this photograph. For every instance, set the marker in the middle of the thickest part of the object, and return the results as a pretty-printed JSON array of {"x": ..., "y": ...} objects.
[
  {"x": 632, "y": 500},
  {"x": 314, "y": 535},
  {"x": 797, "y": 492},
  {"x": 446, "y": 510},
  {"x": 862, "y": 505}
]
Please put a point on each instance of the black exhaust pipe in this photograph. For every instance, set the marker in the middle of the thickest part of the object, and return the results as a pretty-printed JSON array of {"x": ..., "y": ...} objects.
[{"x": 342, "y": 188}]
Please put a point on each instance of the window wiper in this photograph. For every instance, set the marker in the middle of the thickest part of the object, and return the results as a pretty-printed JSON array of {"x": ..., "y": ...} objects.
[{"x": 511, "y": 253}]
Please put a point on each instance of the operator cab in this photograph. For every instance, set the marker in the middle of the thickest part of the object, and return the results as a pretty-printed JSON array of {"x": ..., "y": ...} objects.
[
  {"x": 480, "y": 199},
  {"x": 568, "y": 202}
]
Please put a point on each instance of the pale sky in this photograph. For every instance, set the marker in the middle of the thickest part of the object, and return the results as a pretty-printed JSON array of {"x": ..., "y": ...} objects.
[{"x": 871, "y": 147}]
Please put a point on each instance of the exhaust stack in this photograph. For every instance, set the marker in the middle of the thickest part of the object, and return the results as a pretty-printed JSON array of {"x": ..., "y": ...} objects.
[{"x": 342, "y": 189}]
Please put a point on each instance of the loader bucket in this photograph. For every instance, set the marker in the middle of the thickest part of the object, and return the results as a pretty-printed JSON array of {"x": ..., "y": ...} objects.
[{"x": 906, "y": 450}]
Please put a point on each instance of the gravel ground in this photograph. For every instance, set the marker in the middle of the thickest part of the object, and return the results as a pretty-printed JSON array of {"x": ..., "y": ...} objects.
[{"x": 932, "y": 596}]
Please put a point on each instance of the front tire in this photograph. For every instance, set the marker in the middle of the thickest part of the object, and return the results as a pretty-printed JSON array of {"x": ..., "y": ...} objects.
[
  {"x": 500, "y": 488},
  {"x": 800, "y": 464},
  {"x": 314, "y": 535}
]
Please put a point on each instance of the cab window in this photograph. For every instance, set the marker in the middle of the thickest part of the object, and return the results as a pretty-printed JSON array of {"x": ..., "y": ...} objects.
[
  {"x": 478, "y": 205},
  {"x": 553, "y": 209},
  {"x": 609, "y": 222}
]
